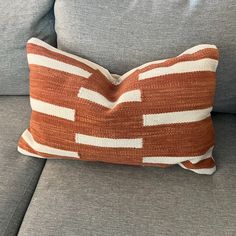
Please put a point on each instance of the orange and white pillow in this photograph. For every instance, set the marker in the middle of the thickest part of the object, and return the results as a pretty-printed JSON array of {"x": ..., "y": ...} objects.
[{"x": 157, "y": 114}]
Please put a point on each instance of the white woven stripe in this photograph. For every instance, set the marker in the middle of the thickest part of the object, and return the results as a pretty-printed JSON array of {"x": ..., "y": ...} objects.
[
  {"x": 176, "y": 117},
  {"x": 124, "y": 76},
  {"x": 189, "y": 51},
  {"x": 203, "y": 171},
  {"x": 108, "y": 142},
  {"x": 27, "y": 153},
  {"x": 56, "y": 65},
  {"x": 93, "y": 96},
  {"x": 205, "y": 64},
  {"x": 203, "y": 157},
  {"x": 46, "y": 149},
  {"x": 51, "y": 109},
  {"x": 176, "y": 159},
  {"x": 198, "y": 48},
  {"x": 93, "y": 65}
]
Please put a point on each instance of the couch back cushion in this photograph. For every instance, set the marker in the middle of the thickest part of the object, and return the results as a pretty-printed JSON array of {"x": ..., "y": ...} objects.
[
  {"x": 19, "y": 21},
  {"x": 121, "y": 35}
]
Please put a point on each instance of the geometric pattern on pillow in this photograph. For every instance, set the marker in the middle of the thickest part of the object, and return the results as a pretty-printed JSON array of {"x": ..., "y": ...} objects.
[{"x": 157, "y": 114}]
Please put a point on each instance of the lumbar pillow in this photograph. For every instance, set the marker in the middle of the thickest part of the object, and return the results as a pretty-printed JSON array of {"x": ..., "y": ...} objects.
[{"x": 157, "y": 114}]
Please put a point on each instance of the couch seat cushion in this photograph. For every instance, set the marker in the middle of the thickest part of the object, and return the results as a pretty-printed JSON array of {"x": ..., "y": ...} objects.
[{"x": 80, "y": 198}]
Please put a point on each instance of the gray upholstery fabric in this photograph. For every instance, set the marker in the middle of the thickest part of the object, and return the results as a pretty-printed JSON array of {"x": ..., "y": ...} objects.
[
  {"x": 19, "y": 21},
  {"x": 78, "y": 198},
  {"x": 18, "y": 174},
  {"x": 123, "y": 34}
]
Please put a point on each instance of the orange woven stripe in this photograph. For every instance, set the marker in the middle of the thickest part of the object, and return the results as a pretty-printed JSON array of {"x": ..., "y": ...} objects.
[{"x": 207, "y": 163}]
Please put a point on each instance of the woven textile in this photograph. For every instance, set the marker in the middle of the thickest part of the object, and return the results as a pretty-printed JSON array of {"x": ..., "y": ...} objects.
[{"x": 157, "y": 114}]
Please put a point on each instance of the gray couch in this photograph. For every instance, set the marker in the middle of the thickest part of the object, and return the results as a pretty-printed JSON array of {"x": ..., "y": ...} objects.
[{"x": 58, "y": 197}]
